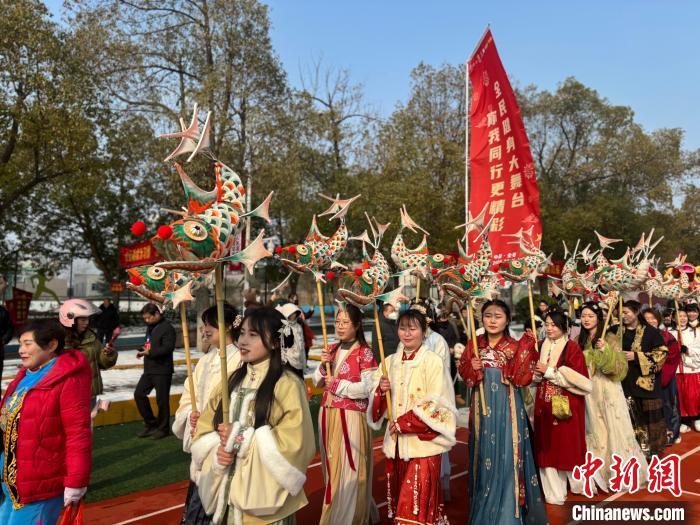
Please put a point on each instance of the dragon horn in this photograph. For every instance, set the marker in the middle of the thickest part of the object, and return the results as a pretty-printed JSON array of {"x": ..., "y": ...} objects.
[
  {"x": 284, "y": 283},
  {"x": 605, "y": 242},
  {"x": 251, "y": 255},
  {"x": 203, "y": 142},
  {"x": 186, "y": 135},
  {"x": 407, "y": 222},
  {"x": 339, "y": 207},
  {"x": 262, "y": 211}
]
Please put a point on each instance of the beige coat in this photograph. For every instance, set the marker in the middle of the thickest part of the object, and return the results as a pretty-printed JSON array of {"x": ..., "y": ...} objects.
[
  {"x": 421, "y": 385},
  {"x": 270, "y": 468}
]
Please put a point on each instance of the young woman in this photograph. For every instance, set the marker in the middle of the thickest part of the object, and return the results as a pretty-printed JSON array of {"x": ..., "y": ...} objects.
[
  {"x": 669, "y": 389},
  {"x": 608, "y": 425},
  {"x": 253, "y": 470},
  {"x": 345, "y": 438},
  {"x": 206, "y": 376},
  {"x": 503, "y": 486},
  {"x": 560, "y": 433},
  {"x": 688, "y": 374},
  {"x": 422, "y": 426},
  {"x": 74, "y": 315},
  {"x": 45, "y": 420}
]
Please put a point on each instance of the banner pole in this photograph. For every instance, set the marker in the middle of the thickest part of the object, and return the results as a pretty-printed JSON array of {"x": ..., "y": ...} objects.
[{"x": 466, "y": 155}]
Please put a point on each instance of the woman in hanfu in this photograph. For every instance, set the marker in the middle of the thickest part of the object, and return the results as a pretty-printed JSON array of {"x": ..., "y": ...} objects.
[
  {"x": 560, "y": 409},
  {"x": 688, "y": 373},
  {"x": 609, "y": 427},
  {"x": 503, "y": 484},
  {"x": 252, "y": 471},
  {"x": 205, "y": 378},
  {"x": 345, "y": 438},
  {"x": 422, "y": 426}
]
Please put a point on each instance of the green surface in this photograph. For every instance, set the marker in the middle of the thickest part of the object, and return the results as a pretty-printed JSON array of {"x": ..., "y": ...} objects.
[{"x": 123, "y": 463}]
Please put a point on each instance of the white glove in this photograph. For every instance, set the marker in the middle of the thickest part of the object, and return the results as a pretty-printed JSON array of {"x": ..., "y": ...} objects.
[{"x": 73, "y": 495}]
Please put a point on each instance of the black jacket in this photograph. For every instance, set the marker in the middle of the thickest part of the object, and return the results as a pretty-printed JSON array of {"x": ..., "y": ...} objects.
[
  {"x": 159, "y": 360},
  {"x": 108, "y": 320},
  {"x": 7, "y": 329},
  {"x": 390, "y": 337}
]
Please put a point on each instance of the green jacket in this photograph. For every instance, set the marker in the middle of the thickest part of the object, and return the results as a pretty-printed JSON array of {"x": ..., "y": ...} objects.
[{"x": 92, "y": 349}]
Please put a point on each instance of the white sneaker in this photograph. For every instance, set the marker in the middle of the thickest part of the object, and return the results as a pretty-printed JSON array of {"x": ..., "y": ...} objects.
[
  {"x": 677, "y": 440},
  {"x": 696, "y": 425},
  {"x": 685, "y": 428}
]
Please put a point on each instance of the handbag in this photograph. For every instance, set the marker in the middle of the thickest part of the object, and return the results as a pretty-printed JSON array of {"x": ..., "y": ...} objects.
[
  {"x": 560, "y": 403},
  {"x": 72, "y": 515}
]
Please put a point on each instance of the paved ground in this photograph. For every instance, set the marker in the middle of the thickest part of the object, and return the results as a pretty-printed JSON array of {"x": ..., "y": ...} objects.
[{"x": 163, "y": 505}]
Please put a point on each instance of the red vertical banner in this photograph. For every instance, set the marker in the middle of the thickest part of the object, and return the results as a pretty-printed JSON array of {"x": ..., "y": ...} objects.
[
  {"x": 18, "y": 306},
  {"x": 501, "y": 173}
]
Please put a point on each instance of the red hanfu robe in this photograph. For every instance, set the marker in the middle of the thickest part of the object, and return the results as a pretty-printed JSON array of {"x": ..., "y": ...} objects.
[{"x": 561, "y": 444}]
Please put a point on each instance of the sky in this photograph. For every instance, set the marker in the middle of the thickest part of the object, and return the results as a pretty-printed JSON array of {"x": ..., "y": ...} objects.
[{"x": 643, "y": 54}]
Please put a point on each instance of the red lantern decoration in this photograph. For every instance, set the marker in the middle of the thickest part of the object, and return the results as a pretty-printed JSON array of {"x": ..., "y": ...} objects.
[
  {"x": 292, "y": 249},
  {"x": 138, "y": 228},
  {"x": 462, "y": 270},
  {"x": 278, "y": 250},
  {"x": 330, "y": 275},
  {"x": 434, "y": 271},
  {"x": 165, "y": 232},
  {"x": 358, "y": 271}
]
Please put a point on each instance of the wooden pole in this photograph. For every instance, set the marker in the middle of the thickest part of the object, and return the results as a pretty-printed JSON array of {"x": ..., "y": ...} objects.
[
  {"x": 219, "y": 292},
  {"x": 378, "y": 330},
  {"x": 532, "y": 315},
  {"x": 417, "y": 288},
  {"x": 319, "y": 294},
  {"x": 188, "y": 357},
  {"x": 611, "y": 307},
  {"x": 622, "y": 327},
  {"x": 678, "y": 323},
  {"x": 651, "y": 300},
  {"x": 475, "y": 348}
]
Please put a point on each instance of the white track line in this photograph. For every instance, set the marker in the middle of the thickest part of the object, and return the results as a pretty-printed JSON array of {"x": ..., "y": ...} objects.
[{"x": 144, "y": 516}]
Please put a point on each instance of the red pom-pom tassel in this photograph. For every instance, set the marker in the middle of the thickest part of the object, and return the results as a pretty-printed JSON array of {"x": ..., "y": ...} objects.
[
  {"x": 434, "y": 271},
  {"x": 330, "y": 275},
  {"x": 165, "y": 232},
  {"x": 292, "y": 249},
  {"x": 358, "y": 271},
  {"x": 462, "y": 270},
  {"x": 278, "y": 250},
  {"x": 136, "y": 280},
  {"x": 138, "y": 228}
]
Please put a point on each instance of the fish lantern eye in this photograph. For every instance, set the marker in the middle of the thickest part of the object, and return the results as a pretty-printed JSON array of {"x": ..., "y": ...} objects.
[
  {"x": 155, "y": 273},
  {"x": 302, "y": 250},
  {"x": 366, "y": 277},
  {"x": 438, "y": 257},
  {"x": 517, "y": 264},
  {"x": 195, "y": 231}
]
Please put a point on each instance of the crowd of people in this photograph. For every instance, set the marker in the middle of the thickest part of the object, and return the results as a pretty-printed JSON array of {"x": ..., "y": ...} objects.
[{"x": 628, "y": 390}]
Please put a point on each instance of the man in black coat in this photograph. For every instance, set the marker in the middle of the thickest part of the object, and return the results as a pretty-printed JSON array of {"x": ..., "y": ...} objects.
[
  {"x": 389, "y": 329},
  {"x": 107, "y": 321},
  {"x": 158, "y": 371}
]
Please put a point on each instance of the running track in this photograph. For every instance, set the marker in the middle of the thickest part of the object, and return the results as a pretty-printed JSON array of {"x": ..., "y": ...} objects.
[{"x": 163, "y": 505}]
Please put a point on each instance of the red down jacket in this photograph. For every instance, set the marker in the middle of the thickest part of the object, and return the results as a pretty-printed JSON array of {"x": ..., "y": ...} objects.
[{"x": 54, "y": 444}]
